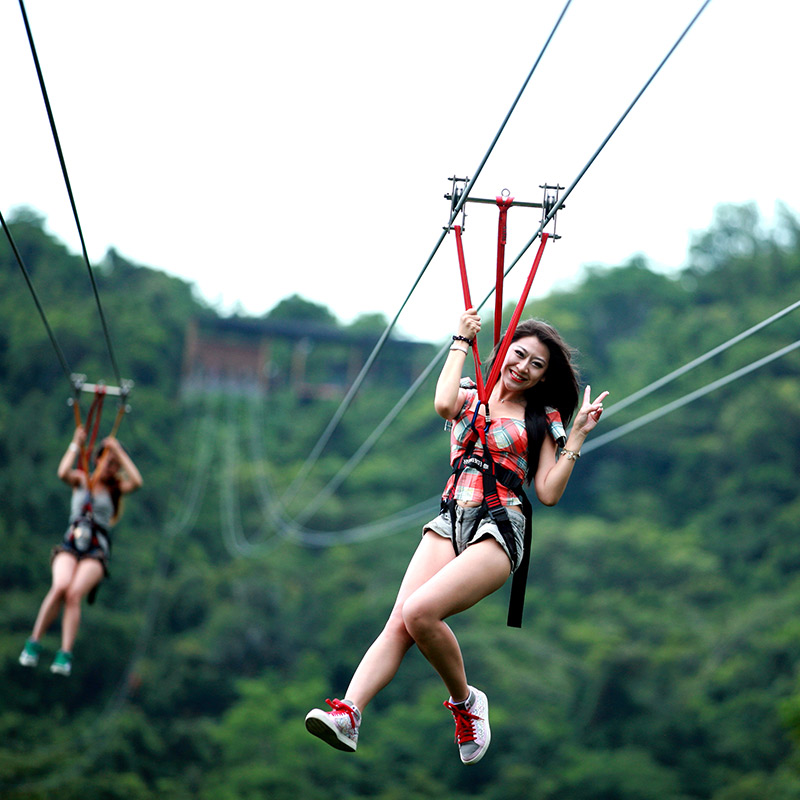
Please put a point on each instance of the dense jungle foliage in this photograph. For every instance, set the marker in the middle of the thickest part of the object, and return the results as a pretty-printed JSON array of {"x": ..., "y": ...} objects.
[{"x": 660, "y": 653}]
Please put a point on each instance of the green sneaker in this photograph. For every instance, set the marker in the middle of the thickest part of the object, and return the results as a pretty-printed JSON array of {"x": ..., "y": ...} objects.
[
  {"x": 62, "y": 663},
  {"x": 29, "y": 657}
]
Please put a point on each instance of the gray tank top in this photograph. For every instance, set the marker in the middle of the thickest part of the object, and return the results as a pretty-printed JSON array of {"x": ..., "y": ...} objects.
[{"x": 102, "y": 506}]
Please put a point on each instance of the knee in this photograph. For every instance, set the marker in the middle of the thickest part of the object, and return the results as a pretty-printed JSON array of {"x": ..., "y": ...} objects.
[
  {"x": 396, "y": 627},
  {"x": 58, "y": 591},
  {"x": 418, "y": 617},
  {"x": 73, "y": 597}
]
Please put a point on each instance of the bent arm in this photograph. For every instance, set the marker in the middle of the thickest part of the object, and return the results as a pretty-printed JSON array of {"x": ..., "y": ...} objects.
[
  {"x": 132, "y": 479},
  {"x": 66, "y": 467},
  {"x": 553, "y": 475},
  {"x": 449, "y": 396}
]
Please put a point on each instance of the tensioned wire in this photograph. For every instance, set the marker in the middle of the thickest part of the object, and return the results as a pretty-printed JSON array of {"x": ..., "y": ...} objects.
[
  {"x": 278, "y": 526},
  {"x": 611, "y": 436},
  {"x": 292, "y": 531},
  {"x": 370, "y": 442},
  {"x": 294, "y": 487},
  {"x": 627, "y": 401},
  {"x": 59, "y": 352},
  {"x": 313, "y": 457},
  {"x": 315, "y": 453},
  {"x": 51, "y": 118}
]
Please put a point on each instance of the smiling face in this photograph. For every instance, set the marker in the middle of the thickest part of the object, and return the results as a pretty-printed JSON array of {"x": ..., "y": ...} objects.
[{"x": 525, "y": 364}]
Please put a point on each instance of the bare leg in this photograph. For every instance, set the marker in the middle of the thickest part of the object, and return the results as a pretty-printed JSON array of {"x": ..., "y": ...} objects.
[
  {"x": 480, "y": 570},
  {"x": 381, "y": 662},
  {"x": 64, "y": 565},
  {"x": 88, "y": 574}
]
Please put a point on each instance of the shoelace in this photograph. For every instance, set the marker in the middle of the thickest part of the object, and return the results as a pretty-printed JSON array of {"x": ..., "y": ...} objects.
[
  {"x": 338, "y": 707},
  {"x": 465, "y": 730}
]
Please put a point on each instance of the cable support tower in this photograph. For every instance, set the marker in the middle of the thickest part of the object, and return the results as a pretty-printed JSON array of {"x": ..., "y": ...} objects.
[
  {"x": 63, "y": 163},
  {"x": 315, "y": 453}
]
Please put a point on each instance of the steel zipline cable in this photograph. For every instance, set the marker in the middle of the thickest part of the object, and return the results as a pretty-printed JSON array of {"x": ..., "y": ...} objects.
[
  {"x": 627, "y": 401},
  {"x": 560, "y": 202},
  {"x": 371, "y": 440},
  {"x": 51, "y": 118},
  {"x": 418, "y": 513},
  {"x": 323, "y": 440},
  {"x": 59, "y": 352},
  {"x": 292, "y": 529},
  {"x": 313, "y": 457},
  {"x": 611, "y": 436}
]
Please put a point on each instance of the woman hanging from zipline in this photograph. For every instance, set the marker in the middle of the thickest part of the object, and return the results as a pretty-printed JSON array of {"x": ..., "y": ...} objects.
[
  {"x": 481, "y": 535},
  {"x": 80, "y": 562}
]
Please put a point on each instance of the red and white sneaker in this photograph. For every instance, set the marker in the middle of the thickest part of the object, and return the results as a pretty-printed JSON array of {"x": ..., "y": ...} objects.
[
  {"x": 338, "y": 727},
  {"x": 472, "y": 726}
]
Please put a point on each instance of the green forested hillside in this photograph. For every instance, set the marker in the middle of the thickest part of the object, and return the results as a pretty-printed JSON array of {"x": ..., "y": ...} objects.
[{"x": 660, "y": 649}]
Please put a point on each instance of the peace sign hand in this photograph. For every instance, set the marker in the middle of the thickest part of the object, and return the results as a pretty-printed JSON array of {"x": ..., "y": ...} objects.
[{"x": 589, "y": 413}]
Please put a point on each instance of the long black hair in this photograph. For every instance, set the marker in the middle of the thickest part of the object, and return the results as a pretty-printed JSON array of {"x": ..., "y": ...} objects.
[
  {"x": 113, "y": 487},
  {"x": 558, "y": 388}
]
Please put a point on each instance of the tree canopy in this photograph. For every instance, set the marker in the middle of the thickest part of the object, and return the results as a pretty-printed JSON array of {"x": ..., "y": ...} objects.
[{"x": 660, "y": 648}]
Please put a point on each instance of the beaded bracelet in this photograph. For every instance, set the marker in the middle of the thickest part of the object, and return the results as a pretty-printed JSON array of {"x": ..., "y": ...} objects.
[
  {"x": 459, "y": 338},
  {"x": 571, "y": 455}
]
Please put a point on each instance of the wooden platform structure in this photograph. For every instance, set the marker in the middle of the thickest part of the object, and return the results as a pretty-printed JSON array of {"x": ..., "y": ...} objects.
[{"x": 259, "y": 357}]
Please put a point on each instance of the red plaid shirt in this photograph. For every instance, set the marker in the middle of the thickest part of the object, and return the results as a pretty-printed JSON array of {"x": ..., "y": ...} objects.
[{"x": 507, "y": 440}]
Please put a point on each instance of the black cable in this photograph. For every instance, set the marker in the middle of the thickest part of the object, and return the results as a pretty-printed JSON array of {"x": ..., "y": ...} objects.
[
  {"x": 71, "y": 197},
  {"x": 59, "y": 352},
  {"x": 313, "y": 456},
  {"x": 597, "y": 152}
]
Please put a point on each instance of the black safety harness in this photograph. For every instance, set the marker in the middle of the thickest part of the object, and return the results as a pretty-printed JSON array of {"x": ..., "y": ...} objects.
[
  {"x": 491, "y": 506},
  {"x": 492, "y": 473}
]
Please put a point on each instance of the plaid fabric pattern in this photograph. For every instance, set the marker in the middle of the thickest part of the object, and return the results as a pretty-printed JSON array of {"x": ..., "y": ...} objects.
[{"x": 508, "y": 445}]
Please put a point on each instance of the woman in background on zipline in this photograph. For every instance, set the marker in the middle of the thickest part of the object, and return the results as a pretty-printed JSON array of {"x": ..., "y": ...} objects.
[
  {"x": 80, "y": 562},
  {"x": 452, "y": 570}
]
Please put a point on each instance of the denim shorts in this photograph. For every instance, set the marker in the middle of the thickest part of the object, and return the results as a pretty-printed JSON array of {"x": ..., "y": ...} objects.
[{"x": 465, "y": 520}]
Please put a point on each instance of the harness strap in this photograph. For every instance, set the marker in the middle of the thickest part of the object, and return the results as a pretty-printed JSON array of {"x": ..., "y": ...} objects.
[
  {"x": 92, "y": 426},
  {"x": 512, "y": 326},
  {"x": 491, "y": 502},
  {"x": 485, "y": 389},
  {"x": 493, "y": 507},
  {"x": 504, "y": 204},
  {"x": 482, "y": 396},
  {"x": 519, "y": 582}
]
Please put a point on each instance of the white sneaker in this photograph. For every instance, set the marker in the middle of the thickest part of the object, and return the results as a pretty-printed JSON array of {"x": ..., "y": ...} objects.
[
  {"x": 29, "y": 657},
  {"x": 338, "y": 727},
  {"x": 472, "y": 726},
  {"x": 62, "y": 664}
]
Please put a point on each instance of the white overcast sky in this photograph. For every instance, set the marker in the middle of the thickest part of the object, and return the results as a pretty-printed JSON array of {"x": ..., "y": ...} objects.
[{"x": 262, "y": 149}]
